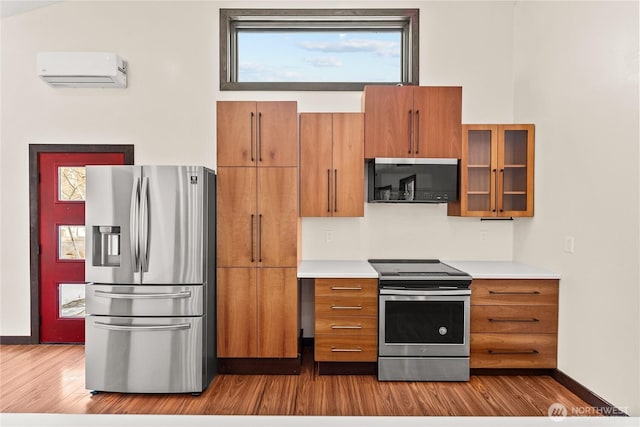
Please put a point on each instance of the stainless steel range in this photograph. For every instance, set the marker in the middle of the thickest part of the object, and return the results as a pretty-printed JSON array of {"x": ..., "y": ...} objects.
[{"x": 423, "y": 321}]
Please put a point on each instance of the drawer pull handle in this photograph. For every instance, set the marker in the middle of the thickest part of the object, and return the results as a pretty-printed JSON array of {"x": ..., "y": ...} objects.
[
  {"x": 514, "y": 320},
  {"x": 513, "y": 352},
  {"x": 346, "y": 288},
  {"x": 346, "y": 307},
  {"x": 514, "y": 292},
  {"x": 346, "y": 326},
  {"x": 346, "y": 350}
]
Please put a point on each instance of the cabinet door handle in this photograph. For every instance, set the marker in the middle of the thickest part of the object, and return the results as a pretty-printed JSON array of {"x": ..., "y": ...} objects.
[
  {"x": 253, "y": 258},
  {"x": 260, "y": 238},
  {"x": 495, "y": 175},
  {"x": 346, "y": 326},
  {"x": 328, "y": 190},
  {"x": 532, "y": 351},
  {"x": 260, "y": 137},
  {"x": 410, "y": 129},
  {"x": 514, "y": 320},
  {"x": 502, "y": 195},
  {"x": 417, "y": 131},
  {"x": 346, "y": 307},
  {"x": 335, "y": 190},
  {"x": 346, "y": 350},
  {"x": 346, "y": 288},
  {"x": 514, "y": 292},
  {"x": 252, "y": 137}
]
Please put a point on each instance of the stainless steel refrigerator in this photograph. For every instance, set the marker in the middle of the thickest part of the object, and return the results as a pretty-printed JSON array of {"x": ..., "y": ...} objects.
[{"x": 150, "y": 268}]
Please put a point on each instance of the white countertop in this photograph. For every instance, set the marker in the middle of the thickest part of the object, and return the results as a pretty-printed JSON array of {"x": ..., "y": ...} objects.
[
  {"x": 336, "y": 269},
  {"x": 309, "y": 269},
  {"x": 501, "y": 270}
]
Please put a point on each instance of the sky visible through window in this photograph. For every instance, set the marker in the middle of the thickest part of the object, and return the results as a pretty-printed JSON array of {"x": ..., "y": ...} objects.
[{"x": 322, "y": 56}]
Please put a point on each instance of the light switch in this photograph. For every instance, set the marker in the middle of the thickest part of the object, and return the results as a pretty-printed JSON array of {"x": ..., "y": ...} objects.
[{"x": 568, "y": 244}]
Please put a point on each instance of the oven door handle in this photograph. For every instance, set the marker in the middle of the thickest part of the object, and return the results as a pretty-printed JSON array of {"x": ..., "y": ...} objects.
[{"x": 412, "y": 292}]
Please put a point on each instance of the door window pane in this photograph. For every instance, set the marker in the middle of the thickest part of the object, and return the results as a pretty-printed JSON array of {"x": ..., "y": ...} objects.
[
  {"x": 72, "y": 183},
  {"x": 71, "y": 242},
  {"x": 71, "y": 300}
]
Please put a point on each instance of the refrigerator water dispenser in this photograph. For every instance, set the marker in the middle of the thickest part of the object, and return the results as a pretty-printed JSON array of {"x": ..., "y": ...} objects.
[{"x": 107, "y": 242}]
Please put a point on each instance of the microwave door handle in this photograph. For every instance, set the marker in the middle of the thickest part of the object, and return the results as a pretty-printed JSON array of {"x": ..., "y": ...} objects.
[{"x": 134, "y": 224}]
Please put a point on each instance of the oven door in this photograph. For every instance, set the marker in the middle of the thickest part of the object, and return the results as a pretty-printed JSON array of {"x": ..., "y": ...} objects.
[{"x": 424, "y": 324}]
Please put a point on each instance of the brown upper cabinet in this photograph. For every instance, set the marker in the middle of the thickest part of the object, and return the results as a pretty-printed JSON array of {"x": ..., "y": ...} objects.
[
  {"x": 257, "y": 217},
  {"x": 331, "y": 164},
  {"x": 253, "y": 133},
  {"x": 412, "y": 121},
  {"x": 496, "y": 176}
]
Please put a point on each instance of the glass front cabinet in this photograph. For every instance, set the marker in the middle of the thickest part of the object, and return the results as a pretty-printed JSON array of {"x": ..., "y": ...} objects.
[{"x": 496, "y": 175}]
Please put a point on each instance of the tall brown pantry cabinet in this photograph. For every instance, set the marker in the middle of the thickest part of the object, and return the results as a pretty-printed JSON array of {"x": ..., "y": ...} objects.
[{"x": 257, "y": 226}]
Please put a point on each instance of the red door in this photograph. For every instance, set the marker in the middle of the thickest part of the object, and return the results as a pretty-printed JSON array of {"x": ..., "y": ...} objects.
[{"x": 61, "y": 216}]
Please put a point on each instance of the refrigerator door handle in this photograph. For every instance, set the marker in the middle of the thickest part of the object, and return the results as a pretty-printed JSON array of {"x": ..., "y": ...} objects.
[
  {"x": 149, "y": 328},
  {"x": 144, "y": 227},
  {"x": 134, "y": 223},
  {"x": 117, "y": 295}
]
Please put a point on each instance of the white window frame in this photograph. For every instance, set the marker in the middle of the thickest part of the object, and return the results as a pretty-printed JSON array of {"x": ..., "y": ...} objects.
[{"x": 232, "y": 20}]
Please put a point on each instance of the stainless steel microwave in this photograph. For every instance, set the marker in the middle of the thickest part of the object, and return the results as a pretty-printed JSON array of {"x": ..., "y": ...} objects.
[{"x": 413, "y": 180}]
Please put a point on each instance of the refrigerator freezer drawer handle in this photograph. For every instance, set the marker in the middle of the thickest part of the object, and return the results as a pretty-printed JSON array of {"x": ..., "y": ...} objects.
[
  {"x": 148, "y": 328},
  {"x": 116, "y": 295}
]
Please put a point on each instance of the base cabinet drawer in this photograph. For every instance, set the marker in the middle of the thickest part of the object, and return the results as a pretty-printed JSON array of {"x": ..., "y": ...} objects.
[
  {"x": 513, "y": 350},
  {"x": 516, "y": 292},
  {"x": 520, "y": 319},
  {"x": 346, "y": 326},
  {"x": 330, "y": 348},
  {"x": 346, "y": 287},
  {"x": 345, "y": 306}
]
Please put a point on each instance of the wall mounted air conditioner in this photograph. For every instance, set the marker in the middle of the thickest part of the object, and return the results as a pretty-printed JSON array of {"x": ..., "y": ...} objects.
[{"x": 82, "y": 69}]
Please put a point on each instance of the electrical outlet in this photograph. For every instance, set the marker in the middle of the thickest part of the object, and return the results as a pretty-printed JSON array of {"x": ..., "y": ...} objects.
[
  {"x": 484, "y": 235},
  {"x": 569, "y": 244},
  {"x": 328, "y": 236}
]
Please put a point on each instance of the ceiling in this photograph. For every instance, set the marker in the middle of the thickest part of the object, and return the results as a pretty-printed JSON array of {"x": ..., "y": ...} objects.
[{"x": 15, "y": 7}]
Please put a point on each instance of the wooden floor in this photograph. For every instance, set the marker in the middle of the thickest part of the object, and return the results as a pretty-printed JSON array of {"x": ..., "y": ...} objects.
[{"x": 50, "y": 379}]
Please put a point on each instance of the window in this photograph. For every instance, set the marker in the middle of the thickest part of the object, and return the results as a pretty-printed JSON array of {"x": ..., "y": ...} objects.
[
  {"x": 312, "y": 49},
  {"x": 71, "y": 183}
]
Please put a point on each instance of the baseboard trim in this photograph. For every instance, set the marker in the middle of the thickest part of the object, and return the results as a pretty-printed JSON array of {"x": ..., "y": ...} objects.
[
  {"x": 347, "y": 368},
  {"x": 511, "y": 371},
  {"x": 15, "y": 340},
  {"x": 259, "y": 366},
  {"x": 601, "y": 405}
]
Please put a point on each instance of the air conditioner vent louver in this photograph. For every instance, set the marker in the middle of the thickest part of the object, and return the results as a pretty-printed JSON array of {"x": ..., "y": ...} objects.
[{"x": 82, "y": 69}]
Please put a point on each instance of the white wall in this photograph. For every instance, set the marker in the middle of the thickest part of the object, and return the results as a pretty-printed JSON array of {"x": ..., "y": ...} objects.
[
  {"x": 576, "y": 77},
  {"x": 168, "y": 113}
]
